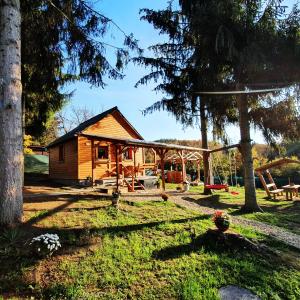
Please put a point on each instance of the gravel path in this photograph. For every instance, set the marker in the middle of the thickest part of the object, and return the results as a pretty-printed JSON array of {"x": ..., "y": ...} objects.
[{"x": 276, "y": 232}]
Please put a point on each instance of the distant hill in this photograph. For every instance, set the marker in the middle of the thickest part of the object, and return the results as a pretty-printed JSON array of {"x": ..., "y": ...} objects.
[
  {"x": 262, "y": 149},
  {"x": 189, "y": 143}
]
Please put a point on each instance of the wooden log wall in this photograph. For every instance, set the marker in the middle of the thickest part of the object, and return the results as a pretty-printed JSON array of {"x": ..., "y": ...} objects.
[{"x": 66, "y": 169}]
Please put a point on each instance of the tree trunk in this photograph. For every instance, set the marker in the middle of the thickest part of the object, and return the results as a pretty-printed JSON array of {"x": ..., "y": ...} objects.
[
  {"x": 246, "y": 151},
  {"x": 204, "y": 140},
  {"x": 11, "y": 141}
]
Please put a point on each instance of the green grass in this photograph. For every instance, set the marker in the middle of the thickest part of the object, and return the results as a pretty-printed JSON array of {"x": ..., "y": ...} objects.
[
  {"x": 142, "y": 251},
  {"x": 281, "y": 212}
]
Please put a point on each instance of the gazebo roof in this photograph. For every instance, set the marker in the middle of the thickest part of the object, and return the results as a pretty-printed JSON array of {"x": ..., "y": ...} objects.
[
  {"x": 191, "y": 156},
  {"x": 141, "y": 143}
]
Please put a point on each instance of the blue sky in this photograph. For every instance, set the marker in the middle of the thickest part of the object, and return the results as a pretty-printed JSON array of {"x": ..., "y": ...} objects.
[{"x": 122, "y": 93}]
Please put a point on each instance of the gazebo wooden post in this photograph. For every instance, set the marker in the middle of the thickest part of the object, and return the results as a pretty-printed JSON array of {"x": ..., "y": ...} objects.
[
  {"x": 117, "y": 165},
  {"x": 162, "y": 153},
  {"x": 198, "y": 170},
  {"x": 181, "y": 154},
  {"x": 93, "y": 160},
  {"x": 133, "y": 174},
  {"x": 134, "y": 160}
]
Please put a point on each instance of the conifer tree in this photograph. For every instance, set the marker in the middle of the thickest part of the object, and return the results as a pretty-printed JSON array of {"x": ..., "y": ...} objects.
[
  {"x": 258, "y": 46},
  {"x": 230, "y": 45},
  {"x": 63, "y": 42},
  {"x": 176, "y": 64}
]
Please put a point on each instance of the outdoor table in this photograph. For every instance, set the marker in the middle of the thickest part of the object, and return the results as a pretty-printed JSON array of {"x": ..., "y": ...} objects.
[{"x": 290, "y": 190}]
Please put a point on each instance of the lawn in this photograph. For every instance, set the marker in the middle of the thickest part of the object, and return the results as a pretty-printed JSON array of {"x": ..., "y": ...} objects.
[
  {"x": 144, "y": 250},
  {"x": 279, "y": 212}
]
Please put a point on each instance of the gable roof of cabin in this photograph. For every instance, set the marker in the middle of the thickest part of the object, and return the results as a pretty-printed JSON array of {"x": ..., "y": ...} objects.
[{"x": 71, "y": 134}]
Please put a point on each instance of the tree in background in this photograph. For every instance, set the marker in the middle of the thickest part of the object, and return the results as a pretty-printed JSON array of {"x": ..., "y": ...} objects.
[
  {"x": 228, "y": 45},
  {"x": 292, "y": 148},
  {"x": 50, "y": 134},
  {"x": 256, "y": 45},
  {"x": 177, "y": 65},
  {"x": 27, "y": 142},
  {"x": 76, "y": 116},
  {"x": 64, "y": 42}
]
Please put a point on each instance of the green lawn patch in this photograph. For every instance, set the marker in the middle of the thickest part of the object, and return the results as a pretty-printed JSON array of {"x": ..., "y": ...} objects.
[{"x": 143, "y": 251}]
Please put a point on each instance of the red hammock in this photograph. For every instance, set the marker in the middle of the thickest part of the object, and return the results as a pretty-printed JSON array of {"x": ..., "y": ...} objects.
[{"x": 217, "y": 187}]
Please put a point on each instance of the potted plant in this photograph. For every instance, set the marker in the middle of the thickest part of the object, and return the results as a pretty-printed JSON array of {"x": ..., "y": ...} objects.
[
  {"x": 45, "y": 244},
  {"x": 165, "y": 196},
  {"x": 221, "y": 220},
  {"x": 115, "y": 197}
]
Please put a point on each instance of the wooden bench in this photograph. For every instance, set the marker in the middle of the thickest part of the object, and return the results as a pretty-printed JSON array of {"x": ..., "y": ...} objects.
[{"x": 276, "y": 192}]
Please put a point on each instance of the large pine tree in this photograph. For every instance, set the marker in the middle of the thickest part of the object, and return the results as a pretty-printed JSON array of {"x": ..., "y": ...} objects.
[
  {"x": 64, "y": 41},
  {"x": 229, "y": 45},
  {"x": 176, "y": 64},
  {"x": 258, "y": 46}
]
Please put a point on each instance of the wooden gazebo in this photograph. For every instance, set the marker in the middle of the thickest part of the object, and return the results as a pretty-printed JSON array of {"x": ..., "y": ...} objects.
[{"x": 179, "y": 158}]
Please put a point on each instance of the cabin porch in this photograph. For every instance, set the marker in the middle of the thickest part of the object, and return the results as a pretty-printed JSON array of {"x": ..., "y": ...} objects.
[{"x": 130, "y": 174}]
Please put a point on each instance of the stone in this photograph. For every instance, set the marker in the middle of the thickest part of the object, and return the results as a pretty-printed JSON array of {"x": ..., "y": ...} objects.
[{"x": 232, "y": 292}]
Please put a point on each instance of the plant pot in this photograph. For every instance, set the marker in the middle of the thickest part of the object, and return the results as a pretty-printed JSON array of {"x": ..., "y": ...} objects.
[
  {"x": 115, "y": 200},
  {"x": 222, "y": 225}
]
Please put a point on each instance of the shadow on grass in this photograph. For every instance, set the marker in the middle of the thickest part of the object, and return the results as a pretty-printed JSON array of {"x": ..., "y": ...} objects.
[
  {"x": 64, "y": 197},
  {"x": 212, "y": 201},
  {"x": 217, "y": 242},
  {"x": 118, "y": 230},
  {"x": 16, "y": 257}
]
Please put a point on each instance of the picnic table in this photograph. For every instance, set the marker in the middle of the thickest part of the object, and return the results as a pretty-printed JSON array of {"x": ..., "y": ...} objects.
[{"x": 291, "y": 190}]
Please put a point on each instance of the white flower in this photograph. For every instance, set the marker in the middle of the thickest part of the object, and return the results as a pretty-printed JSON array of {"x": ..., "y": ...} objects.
[{"x": 51, "y": 241}]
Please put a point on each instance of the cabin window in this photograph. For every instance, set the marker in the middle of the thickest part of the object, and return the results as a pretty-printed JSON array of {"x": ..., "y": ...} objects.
[
  {"x": 127, "y": 154},
  {"x": 102, "y": 152},
  {"x": 61, "y": 153}
]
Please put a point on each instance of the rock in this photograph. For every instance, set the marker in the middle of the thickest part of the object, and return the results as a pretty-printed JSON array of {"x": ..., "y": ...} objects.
[{"x": 232, "y": 292}]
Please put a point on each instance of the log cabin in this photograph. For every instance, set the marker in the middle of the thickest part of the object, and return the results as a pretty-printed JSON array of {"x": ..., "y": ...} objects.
[
  {"x": 77, "y": 158},
  {"x": 90, "y": 153}
]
